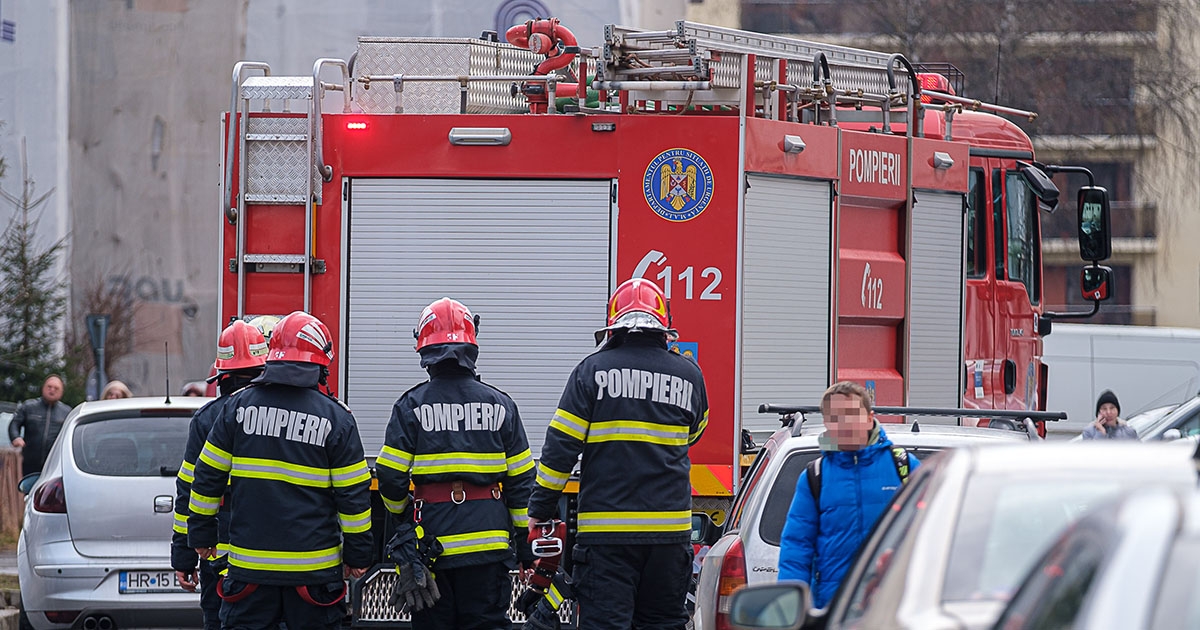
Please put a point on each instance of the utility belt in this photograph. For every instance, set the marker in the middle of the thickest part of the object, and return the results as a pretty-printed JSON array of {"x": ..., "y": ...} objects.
[{"x": 456, "y": 492}]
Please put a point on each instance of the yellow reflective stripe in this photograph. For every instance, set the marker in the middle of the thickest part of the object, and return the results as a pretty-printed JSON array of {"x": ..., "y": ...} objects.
[
  {"x": 474, "y": 542},
  {"x": 695, "y": 435},
  {"x": 215, "y": 457},
  {"x": 520, "y": 517},
  {"x": 547, "y": 477},
  {"x": 458, "y": 461},
  {"x": 278, "y": 470},
  {"x": 519, "y": 463},
  {"x": 673, "y": 521},
  {"x": 202, "y": 505},
  {"x": 395, "y": 507},
  {"x": 554, "y": 597},
  {"x": 634, "y": 431},
  {"x": 355, "y": 523},
  {"x": 395, "y": 459},
  {"x": 180, "y": 524},
  {"x": 285, "y": 560},
  {"x": 187, "y": 472},
  {"x": 350, "y": 475},
  {"x": 570, "y": 424}
]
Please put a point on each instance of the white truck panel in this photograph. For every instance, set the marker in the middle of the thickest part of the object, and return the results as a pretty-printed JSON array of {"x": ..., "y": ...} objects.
[{"x": 1145, "y": 367}]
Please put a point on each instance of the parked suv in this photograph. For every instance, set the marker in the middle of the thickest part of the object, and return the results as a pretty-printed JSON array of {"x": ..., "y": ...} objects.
[
  {"x": 95, "y": 549},
  {"x": 748, "y": 552}
]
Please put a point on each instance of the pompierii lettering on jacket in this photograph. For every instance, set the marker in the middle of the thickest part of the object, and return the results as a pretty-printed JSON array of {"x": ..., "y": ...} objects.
[
  {"x": 644, "y": 385},
  {"x": 473, "y": 416},
  {"x": 290, "y": 424}
]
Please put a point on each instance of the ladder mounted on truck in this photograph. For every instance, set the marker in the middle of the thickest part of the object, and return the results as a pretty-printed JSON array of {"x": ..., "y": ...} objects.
[
  {"x": 694, "y": 69},
  {"x": 279, "y": 163}
]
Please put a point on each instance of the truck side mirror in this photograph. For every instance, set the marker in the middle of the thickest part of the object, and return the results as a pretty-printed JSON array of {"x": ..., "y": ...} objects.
[
  {"x": 1095, "y": 240},
  {"x": 1095, "y": 283},
  {"x": 1042, "y": 186}
]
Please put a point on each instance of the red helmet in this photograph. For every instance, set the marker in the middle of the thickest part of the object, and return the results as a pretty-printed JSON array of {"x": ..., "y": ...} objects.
[
  {"x": 301, "y": 337},
  {"x": 446, "y": 321},
  {"x": 240, "y": 346},
  {"x": 638, "y": 304}
]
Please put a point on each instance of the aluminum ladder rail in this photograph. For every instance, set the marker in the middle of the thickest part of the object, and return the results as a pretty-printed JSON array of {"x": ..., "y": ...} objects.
[{"x": 280, "y": 161}]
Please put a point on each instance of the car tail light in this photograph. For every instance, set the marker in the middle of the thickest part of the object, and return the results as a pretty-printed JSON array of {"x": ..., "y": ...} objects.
[
  {"x": 62, "y": 616},
  {"x": 50, "y": 497},
  {"x": 731, "y": 578}
]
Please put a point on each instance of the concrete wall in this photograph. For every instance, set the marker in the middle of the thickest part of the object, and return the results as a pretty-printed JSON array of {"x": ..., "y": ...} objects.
[{"x": 149, "y": 80}]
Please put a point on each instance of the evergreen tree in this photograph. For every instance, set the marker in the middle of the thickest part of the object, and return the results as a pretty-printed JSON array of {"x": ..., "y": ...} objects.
[{"x": 32, "y": 299}]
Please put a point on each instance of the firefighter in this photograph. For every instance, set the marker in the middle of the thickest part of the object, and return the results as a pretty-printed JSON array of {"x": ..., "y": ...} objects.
[
  {"x": 632, "y": 409},
  {"x": 462, "y": 444},
  {"x": 293, "y": 462},
  {"x": 241, "y": 352}
]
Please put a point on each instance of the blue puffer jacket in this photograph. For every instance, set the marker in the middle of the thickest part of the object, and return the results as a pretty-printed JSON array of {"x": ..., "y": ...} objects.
[{"x": 856, "y": 486}]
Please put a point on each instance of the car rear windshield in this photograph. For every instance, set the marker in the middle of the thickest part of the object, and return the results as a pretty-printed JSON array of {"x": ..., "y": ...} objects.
[
  {"x": 131, "y": 447},
  {"x": 775, "y": 510},
  {"x": 1006, "y": 524}
]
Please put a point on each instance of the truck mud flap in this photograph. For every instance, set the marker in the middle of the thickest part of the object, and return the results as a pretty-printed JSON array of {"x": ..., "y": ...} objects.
[{"x": 369, "y": 606}]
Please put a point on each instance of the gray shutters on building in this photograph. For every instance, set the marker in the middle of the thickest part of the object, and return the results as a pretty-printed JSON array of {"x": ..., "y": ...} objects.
[
  {"x": 935, "y": 320},
  {"x": 530, "y": 257},
  {"x": 785, "y": 295}
]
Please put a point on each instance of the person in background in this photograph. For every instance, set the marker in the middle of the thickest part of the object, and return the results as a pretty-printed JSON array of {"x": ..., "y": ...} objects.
[
  {"x": 36, "y": 423},
  {"x": 1108, "y": 424},
  {"x": 856, "y": 476},
  {"x": 115, "y": 390},
  {"x": 195, "y": 388}
]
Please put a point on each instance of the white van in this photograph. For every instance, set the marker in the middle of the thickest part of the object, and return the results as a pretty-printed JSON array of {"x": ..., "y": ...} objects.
[{"x": 1146, "y": 367}]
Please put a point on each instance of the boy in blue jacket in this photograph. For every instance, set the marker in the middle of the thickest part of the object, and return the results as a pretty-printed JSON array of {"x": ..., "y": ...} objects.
[{"x": 858, "y": 475}]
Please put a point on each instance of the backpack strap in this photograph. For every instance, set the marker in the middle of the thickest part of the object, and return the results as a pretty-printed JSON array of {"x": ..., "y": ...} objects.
[
  {"x": 814, "y": 480},
  {"x": 900, "y": 458}
]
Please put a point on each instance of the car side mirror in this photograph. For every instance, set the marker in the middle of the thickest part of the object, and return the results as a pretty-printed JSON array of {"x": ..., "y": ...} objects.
[
  {"x": 779, "y": 606},
  {"x": 703, "y": 529},
  {"x": 27, "y": 482},
  {"x": 1095, "y": 237},
  {"x": 1095, "y": 283},
  {"x": 1171, "y": 434},
  {"x": 1042, "y": 186}
]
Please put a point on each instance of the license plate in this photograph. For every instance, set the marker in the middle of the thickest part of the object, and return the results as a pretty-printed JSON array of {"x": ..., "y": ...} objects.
[{"x": 149, "y": 582}]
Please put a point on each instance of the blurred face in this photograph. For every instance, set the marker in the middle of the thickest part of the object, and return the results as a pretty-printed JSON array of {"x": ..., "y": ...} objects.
[
  {"x": 114, "y": 394},
  {"x": 52, "y": 390},
  {"x": 1108, "y": 413},
  {"x": 847, "y": 423}
]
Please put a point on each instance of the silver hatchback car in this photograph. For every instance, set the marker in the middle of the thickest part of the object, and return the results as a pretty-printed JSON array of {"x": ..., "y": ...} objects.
[{"x": 95, "y": 549}]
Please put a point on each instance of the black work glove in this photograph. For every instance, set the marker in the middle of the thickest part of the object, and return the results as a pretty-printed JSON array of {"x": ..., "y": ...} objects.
[
  {"x": 414, "y": 588},
  {"x": 542, "y": 617},
  {"x": 520, "y": 543},
  {"x": 528, "y": 599}
]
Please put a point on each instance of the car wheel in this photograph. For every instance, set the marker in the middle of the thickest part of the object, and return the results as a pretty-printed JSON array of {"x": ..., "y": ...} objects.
[{"x": 23, "y": 620}]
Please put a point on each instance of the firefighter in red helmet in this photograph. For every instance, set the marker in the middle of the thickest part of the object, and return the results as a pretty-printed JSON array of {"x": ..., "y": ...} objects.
[
  {"x": 461, "y": 443},
  {"x": 292, "y": 460},
  {"x": 631, "y": 409},
  {"x": 241, "y": 352}
]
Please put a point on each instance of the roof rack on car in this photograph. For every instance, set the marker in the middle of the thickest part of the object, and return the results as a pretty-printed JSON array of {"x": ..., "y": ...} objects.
[{"x": 1012, "y": 419}]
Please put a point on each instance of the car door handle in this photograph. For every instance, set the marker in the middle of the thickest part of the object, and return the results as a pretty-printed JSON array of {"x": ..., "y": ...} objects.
[{"x": 164, "y": 503}]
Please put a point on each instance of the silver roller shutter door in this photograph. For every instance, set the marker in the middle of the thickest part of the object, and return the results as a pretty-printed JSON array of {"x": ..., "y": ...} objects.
[
  {"x": 785, "y": 295},
  {"x": 531, "y": 258},
  {"x": 935, "y": 320}
]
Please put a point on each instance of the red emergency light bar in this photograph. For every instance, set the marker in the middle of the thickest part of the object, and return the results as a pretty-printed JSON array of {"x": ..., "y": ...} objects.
[{"x": 356, "y": 126}]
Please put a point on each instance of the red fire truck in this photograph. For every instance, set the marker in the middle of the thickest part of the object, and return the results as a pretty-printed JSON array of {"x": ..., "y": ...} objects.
[{"x": 804, "y": 228}]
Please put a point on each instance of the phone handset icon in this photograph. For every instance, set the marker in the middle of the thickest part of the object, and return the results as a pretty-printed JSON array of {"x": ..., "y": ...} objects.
[{"x": 652, "y": 257}]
